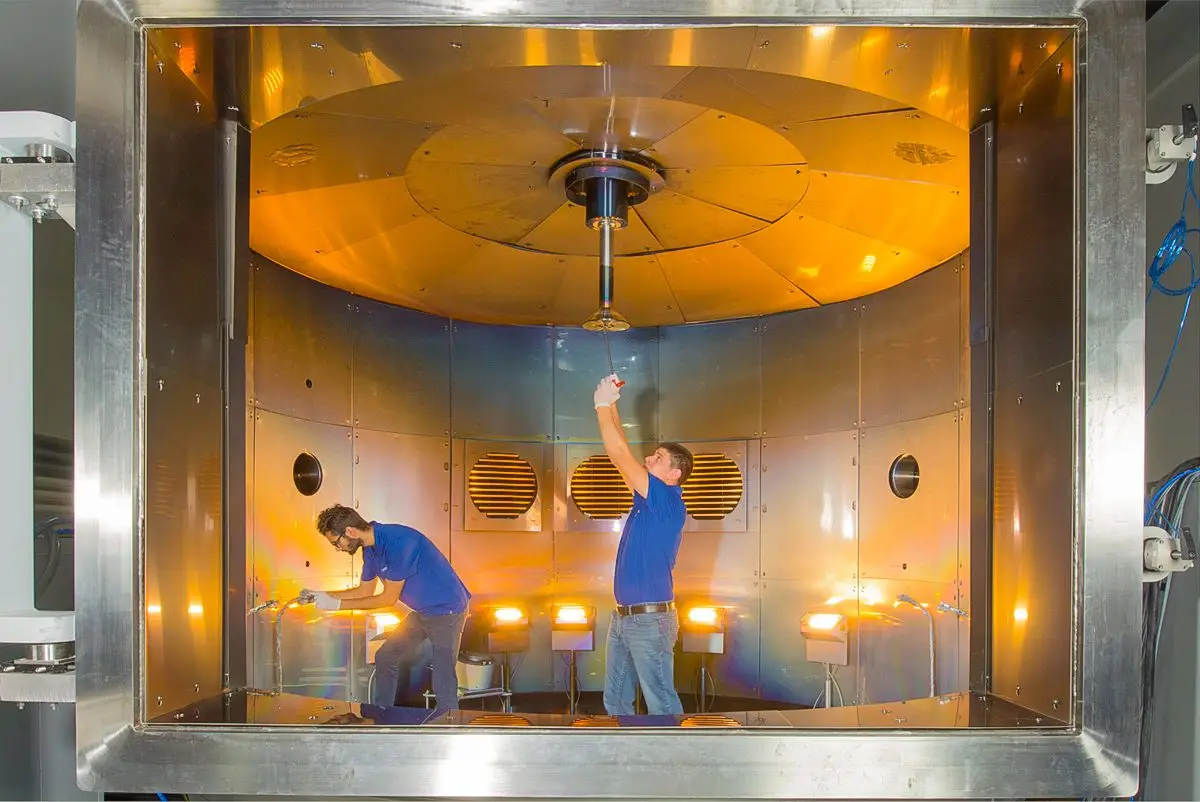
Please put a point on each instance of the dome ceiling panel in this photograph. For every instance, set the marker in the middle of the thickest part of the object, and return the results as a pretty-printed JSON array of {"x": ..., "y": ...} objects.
[
  {"x": 643, "y": 292},
  {"x": 831, "y": 263},
  {"x": 927, "y": 68},
  {"x": 560, "y": 233},
  {"x": 719, "y": 139},
  {"x": 911, "y": 215},
  {"x": 702, "y": 278},
  {"x": 403, "y": 262},
  {"x": 900, "y": 145},
  {"x": 632, "y": 123},
  {"x": 299, "y": 225},
  {"x": 766, "y": 192},
  {"x": 774, "y": 99},
  {"x": 675, "y": 220},
  {"x": 469, "y": 97},
  {"x": 306, "y": 151},
  {"x": 444, "y": 189},
  {"x": 416, "y": 52}
]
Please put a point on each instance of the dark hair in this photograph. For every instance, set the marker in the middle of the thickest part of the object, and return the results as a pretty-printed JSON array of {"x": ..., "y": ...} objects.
[
  {"x": 681, "y": 458},
  {"x": 335, "y": 520}
]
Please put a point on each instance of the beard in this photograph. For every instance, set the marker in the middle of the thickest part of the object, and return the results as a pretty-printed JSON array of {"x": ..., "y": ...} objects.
[{"x": 353, "y": 544}]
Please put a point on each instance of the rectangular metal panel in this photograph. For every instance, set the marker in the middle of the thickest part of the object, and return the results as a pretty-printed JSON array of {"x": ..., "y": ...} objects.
[
  {"x": 404, "y": 479},
  {"x": 184, "y": 592},
  {"x": 501, "y": 382},
  {"x": 980, "y": 299},
  {"x": 969, "y": 604},
  {"x": 711, "y": 381},
  {"x": 235, "y": 297},
  {"x": 589, "y": 665},
  {"x": 743, "y": 517},
  {"x": 301, "y": 344},
  {"x": 113, "y": 753},
  {"x": 913, "y": 538},
  {"x": 471, "y": 513},
  {"x": 567, "y": 514},
  {"x": 911, "y": 360},
  {"x": 786, "y": 675},
  {"x": 809, "y": 510},
  {"x": 580, "y": 361},
  {"x": 1032, "y": 543},
  {"x": 1035, "y": 289},
  {"x": 289, "y": 554},
  {"x": 893, "y": 642},
  {"x": 183, "y": 279},
  {"x": 810, "y": 371},
  {"x": 401, "y": 369},
  {"x": 737, "y": 671}
]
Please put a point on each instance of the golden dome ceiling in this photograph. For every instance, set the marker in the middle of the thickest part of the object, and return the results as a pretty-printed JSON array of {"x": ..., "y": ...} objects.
[{"x": 798, "y": 166}]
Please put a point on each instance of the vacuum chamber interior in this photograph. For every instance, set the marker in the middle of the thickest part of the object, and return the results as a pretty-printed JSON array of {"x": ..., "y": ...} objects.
[{"x": 850, "y": 288}]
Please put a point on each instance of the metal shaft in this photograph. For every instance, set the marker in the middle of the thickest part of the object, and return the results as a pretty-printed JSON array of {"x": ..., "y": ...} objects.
[{"x": 606, "y": 282}]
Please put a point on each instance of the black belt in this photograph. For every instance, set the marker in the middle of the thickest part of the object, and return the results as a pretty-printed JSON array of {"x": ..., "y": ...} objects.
[{"x": 635, "y": 609}]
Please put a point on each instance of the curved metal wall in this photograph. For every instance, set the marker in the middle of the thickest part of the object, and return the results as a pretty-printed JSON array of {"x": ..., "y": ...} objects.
[{"x": 813, "y": 407}]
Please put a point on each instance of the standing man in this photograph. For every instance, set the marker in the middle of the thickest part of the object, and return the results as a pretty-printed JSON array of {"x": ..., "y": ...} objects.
[
  {"x": 415, "y": 573},
  {"x": 645, "y": 625}
]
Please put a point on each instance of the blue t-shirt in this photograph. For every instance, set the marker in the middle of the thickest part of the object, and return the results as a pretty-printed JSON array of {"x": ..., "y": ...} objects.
[
  {"x": 649, "y": 545},
  {"x": 402, "y": 554}
]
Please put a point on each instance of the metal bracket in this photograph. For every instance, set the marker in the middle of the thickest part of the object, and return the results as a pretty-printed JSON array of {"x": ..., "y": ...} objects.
[
  {"x": 1168, "y": 145},
  {"x": 1163, "y": 555},
  {"x": 37, "y": 170},
  {"x": 40, "y": 190}
]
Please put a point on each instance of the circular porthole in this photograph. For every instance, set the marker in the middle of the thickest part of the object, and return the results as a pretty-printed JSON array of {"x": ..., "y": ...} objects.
[
  {"x": 502, "y": 486},
  {"x": 904, "y": 476},
  {"x": 306, "y": 474}
]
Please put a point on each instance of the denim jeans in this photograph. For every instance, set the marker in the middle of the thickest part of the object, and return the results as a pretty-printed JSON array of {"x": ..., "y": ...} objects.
[
  {"x": 405, "y": 645},
  {"x": 641, "y": 650}
]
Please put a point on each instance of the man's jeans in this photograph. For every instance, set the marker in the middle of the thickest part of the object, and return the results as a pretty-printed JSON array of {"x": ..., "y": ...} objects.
[
  {"x": 641, "y": 649},
  {"x": 404, "y": 646}
]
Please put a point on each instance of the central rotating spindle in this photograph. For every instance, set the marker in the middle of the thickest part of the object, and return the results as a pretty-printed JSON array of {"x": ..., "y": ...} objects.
[{"x": 606, "y": 188}]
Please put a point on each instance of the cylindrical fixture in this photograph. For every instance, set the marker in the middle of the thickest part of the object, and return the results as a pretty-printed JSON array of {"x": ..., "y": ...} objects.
[
  {"x": 606, "y": 265},
  {"x": 50, "y": 652},
  {"x": 828, "y": 686},
  {"x": 607, "y": 201},
  {"x": 703, "y": 684}
]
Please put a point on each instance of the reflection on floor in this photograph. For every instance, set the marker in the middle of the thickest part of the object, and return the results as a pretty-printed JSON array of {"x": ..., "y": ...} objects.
[
  {"x": 591, "y": 703},
  {"x": 951, "y": 711}
]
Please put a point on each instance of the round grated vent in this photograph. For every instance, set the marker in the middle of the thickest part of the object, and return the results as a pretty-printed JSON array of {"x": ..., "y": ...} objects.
[
  {"x": 598, "y": 489},
  {"x": 714, "y": 489},
  {"x": 502, "y": 485},
  {"x": 709, "y": 720},
  {"x": 500, "y": 720}
]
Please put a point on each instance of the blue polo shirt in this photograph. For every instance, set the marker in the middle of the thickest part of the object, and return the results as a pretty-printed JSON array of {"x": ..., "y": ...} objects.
[
  {"x": 402, "y": 554},
  {"x": 649, "y": 545}
]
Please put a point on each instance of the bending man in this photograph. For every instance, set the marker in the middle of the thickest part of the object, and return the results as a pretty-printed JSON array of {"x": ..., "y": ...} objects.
[
  {"x": 645, "y": 625},
  {"x": 415, "y": 573}
]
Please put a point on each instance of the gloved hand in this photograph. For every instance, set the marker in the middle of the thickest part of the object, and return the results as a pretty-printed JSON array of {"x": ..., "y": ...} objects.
[
  {"x": 326, "y": 602},
  {"x": 607, "y": 392}
]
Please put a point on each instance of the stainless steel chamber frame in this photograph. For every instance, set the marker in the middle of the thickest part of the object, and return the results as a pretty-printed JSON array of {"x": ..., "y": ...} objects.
[{"x": 115, "y": 749}]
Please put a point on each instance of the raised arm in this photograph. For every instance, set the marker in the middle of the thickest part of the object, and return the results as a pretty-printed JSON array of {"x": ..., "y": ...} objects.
[{"x": 613, "y": 436}]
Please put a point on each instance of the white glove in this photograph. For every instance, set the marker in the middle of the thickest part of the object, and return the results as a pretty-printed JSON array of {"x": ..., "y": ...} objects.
[
  {"x": 607, "y": 391},
  {"x": 326, "y": 602}
]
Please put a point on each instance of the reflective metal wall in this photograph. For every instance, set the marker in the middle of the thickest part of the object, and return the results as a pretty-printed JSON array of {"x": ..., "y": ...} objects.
[
  {"x": 810, "y": 408},
  {"x": 184, "y": 426},
  {"x": 1034, "y": 418}
]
